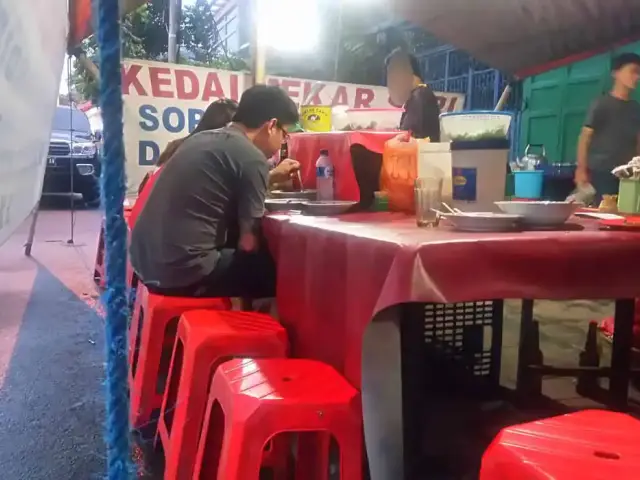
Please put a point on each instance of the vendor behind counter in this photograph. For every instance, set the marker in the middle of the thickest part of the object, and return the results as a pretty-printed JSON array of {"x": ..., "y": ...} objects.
[{"x": 421, "y": 114}]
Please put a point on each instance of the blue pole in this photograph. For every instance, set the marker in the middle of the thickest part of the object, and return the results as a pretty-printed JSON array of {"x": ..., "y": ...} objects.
[{"x": 113, "y": 194}]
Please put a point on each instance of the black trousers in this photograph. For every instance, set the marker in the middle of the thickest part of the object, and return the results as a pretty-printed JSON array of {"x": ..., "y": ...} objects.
[
  {"x": 604, "y": 183},
  {"x": 236, "y": 274}
]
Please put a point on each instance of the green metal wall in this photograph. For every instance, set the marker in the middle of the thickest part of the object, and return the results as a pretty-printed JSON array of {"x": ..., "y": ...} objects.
[{"x": 555, "y": 103}]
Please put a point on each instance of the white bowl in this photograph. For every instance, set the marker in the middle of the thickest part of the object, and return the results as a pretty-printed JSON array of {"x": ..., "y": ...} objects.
[
  {"x": 483, "y": 221},
  {"x": 541, "y": 214}
]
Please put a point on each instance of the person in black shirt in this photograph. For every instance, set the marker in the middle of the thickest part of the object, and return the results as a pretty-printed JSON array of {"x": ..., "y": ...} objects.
[
  {"x": 421, "y": 115},
  {"x": 198, "y": 234}
]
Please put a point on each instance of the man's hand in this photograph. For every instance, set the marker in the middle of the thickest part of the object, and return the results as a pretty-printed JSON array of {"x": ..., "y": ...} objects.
[
  {"x": 403, "y": 137},
  {"x": 283, "y": 171},
  {"x": 248, "y": 242}
]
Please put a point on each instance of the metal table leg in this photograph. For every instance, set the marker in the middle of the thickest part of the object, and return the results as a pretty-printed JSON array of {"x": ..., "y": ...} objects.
[
  {"x": 621, "y": 353},
  {"x": 526, "y": 320}
]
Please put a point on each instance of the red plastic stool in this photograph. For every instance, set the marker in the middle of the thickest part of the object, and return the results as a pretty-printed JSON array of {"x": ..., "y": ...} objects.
[
  {"x": 132, "y": 277},
  {"x": 151, "y": 335},
  {"x": 587, "y": 445},
  {"x": 253, "y": 400},
  {"x": 99, "y": 276},
  {"x": 205, "y": 339},
  {"x": 98, "y": 270}
]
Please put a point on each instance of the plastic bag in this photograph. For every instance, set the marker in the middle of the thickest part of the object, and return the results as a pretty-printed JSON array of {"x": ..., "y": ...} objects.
[{"x": 399, "y": 172}]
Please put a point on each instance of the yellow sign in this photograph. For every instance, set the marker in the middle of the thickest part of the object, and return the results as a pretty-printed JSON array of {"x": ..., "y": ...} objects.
[{"x": 316, "y": 118}]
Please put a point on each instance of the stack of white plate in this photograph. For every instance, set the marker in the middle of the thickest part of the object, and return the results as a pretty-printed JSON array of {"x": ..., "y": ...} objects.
[{"x": 483, "y": 221}]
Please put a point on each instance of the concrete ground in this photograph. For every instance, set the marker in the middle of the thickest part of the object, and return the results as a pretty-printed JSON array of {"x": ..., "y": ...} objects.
[
  {"x": 51, "y": 350},
  {"x": 51, "y": 353}
]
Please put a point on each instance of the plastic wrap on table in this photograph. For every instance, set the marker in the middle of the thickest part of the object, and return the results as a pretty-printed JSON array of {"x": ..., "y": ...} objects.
[
  {"x": 336, "y": 274},
  {"x": 305, "y": 147}
]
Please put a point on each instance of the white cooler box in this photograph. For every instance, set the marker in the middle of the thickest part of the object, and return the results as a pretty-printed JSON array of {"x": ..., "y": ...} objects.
[{"x": 478, "y": 171}]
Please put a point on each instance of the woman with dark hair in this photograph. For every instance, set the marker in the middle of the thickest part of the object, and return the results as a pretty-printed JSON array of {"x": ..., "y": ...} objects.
[{"x": 217, "y": 115}]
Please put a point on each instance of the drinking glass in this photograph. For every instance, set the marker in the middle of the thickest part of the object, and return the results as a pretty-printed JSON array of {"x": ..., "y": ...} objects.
[{"x": 428, "y": 195}]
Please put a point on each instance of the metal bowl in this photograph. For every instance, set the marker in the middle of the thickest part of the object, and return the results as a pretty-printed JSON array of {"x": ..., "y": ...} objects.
[
  {"x": 540, "y": 213},
  {"x": 327, "y": 208},
  {"x": 282, "y": 204},
  {"x": 294, "y": 195}
]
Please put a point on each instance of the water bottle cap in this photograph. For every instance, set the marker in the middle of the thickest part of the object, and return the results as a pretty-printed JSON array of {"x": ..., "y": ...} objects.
[{"x": 324, "y": 152}]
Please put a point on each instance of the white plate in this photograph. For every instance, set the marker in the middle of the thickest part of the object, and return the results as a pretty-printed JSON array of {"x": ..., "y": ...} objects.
[
  {"x": 321, "y": 208},
  {"x": 483, "y": 221},
  {"x": 541, "y": 214}
]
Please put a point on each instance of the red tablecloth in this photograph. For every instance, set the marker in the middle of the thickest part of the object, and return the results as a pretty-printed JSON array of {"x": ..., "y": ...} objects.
[
  {"x": 335, "y": 274},
  {"x": 305, "y": 147}
]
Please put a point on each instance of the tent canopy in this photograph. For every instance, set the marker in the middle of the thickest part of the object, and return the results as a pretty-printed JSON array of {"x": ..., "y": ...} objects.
[
  {"x": 525, "y": 37},
  {"x": 81, "y": 17}
]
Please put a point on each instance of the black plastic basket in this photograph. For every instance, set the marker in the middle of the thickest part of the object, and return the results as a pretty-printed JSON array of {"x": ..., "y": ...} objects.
[{"x": 458, "y": 344}]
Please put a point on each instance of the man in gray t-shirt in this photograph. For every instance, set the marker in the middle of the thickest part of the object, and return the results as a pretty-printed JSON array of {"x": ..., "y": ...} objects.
[
  {"x": 611, "y": 132},
  {"x": 198, "y": 233}
]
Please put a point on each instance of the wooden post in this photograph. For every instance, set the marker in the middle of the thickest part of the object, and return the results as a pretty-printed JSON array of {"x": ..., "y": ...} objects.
[{"x": 503, "y": 98}]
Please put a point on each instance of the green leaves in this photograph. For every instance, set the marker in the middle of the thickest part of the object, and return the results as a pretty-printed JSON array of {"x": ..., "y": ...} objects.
[{"x": 144, "y": 36}]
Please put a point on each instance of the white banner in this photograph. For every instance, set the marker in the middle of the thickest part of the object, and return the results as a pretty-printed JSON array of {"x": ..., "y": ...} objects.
[
  {"x": 163, "y": 102},
  {"x": 33, "y": 38}
]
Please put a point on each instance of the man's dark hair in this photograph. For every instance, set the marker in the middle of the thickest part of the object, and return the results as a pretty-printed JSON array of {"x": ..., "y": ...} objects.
[
  {"x": 261, "y": 103},
  {"x": 624, "y": 59},
  {"x": 399, "y": 54}
]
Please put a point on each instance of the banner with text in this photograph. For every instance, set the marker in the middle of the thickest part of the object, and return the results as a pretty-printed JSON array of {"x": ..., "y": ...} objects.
[
  {"x": 163, "y": 102},
  {"x": 33, "y": 36}
]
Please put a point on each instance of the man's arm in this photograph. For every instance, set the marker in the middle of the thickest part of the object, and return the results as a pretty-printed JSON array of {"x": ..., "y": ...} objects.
[
  {"x": 582, "y": 163},
  {"x": 253, "y": 191},
  {"x": 591, "y": 124}
]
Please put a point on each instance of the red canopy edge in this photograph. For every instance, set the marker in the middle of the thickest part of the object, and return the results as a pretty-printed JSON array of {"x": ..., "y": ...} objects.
[
  {"x": 81, "y": 18},
  {"x": 538, "y": 69},
  {"x": 526, "y": 37}
]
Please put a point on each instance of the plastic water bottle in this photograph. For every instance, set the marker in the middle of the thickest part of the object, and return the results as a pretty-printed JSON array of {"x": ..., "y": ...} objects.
[{"x": 324, "y": 176}]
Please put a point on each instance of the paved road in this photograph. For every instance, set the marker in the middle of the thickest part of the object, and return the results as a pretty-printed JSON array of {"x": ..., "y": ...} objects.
[{"x": 51, "y": 355}]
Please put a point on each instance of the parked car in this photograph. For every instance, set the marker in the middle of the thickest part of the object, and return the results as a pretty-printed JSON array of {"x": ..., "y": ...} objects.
[{"x": 73, "y": 164}]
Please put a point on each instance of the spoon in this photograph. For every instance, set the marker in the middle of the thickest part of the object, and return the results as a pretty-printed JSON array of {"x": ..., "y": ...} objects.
[
  {"x": 455, "y": 211},
  {"x": 300, "y": 181}
]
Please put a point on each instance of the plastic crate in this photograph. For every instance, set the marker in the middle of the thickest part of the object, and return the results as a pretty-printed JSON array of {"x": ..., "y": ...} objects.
[{"x": 463, "y": 341}]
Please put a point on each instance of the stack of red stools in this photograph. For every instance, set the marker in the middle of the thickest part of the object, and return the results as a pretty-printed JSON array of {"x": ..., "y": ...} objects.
[
  {"x": 215, "y": 409},
  {"x": 99, "y": 269},
  {"x": 586, "y": 445},
  {"x": 152, "y": 333},
  {"x": 206, "y": 339}
]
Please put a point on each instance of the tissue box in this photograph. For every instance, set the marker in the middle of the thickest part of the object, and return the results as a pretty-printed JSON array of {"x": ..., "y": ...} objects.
[{"x": 629, "y": 196}]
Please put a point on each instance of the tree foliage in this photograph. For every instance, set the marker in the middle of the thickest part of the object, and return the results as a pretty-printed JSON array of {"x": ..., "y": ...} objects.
[{"x": 145, "y": 37}]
